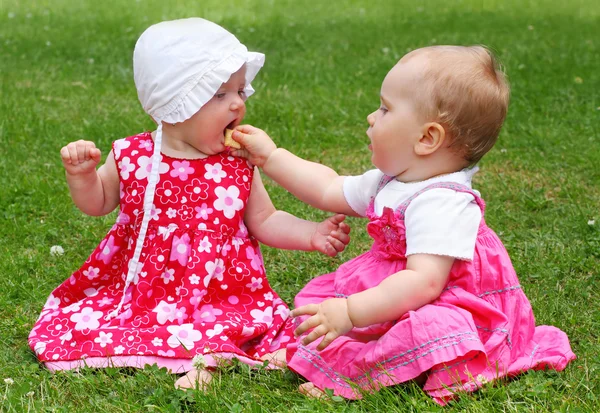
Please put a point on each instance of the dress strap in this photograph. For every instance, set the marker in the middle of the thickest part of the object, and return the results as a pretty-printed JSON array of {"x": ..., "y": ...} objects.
[
  {"x": 445, "y": 185},
  {"x": 385, "y": 179}
]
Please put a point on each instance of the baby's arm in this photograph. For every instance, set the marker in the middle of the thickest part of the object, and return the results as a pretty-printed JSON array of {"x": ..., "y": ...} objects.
[
  {"x": 282, "y": 230},
  {"x": 420, "y": 283},
  {"x": 95, "y": 192},
  {"x": 311, "y": 182}
]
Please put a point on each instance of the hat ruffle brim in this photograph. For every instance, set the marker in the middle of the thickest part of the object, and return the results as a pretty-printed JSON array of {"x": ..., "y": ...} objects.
[{"x": 200, "y": 88}]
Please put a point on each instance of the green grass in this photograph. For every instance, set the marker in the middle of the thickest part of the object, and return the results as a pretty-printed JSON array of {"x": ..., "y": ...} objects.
[{"x": 66, "y": 74}]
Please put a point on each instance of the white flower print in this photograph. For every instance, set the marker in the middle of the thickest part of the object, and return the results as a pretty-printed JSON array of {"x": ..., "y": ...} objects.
[
  {"x": 165, "y": 312},
  {"x": 155, "y": 212},
  {"x": 145, "y": 167},
  {"x": 168, "y": 275},
  {"x": 119, "y": 146},
  {"x": 157, "y": 342},
  {"x": 68, "y": 336},
  {"x": 103, "y": 339},
  {"x": 87, "y": 318},
  {"x": 268, "y": 296},
  {"x": 119, "y": 349},
  {"x": 282, "y": 311},
  {"x": 214, "y": 172},
  {"x": 204, "y": 245},
  {"x": 247, "y": 331},
  {"x": 92, "y": 273},
  {"x": 39, "y": 347},
  {"x": 256, "y": 284},
  {"x": 166, "y": 231},
  {"x": 214, "y": 269},
  {"x": 125, "y": 166},
  {"x": 52, "y": 303},
  {"x": 91, "y": 292},
  {"x": 183, "y": 335},
  {"x": 194, "y": 279},
  {"x": 171, "y": 213},
  {"x": 265, "y": 317},
  {"x": 72, "y": 308},
  {"x": 216, "y": 331},
  {"x": 228, "y": 200}
]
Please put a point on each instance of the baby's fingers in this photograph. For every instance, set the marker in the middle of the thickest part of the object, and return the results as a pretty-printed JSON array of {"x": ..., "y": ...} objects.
[
  {"x": 309, "y": 309},
  {"x": 335, "y": 245},
  {"x": 95, "y": 154},
  {"x": 65, "y": 155},
  {"x": 329, "y": 337},
  {"x": 82, "y": 149},
  {"x": 337, "y": 219},
  {"x": 248, "y": 129},
  {"x": 312, "y": 322},
  {"x": 345, "y": 228},
  {"x": 341, "y": 236},
  {"x": 315, "y": 334}
]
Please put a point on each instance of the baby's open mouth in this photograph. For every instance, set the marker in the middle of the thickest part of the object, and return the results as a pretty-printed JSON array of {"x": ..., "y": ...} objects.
[{"x": 231, "y": 125}]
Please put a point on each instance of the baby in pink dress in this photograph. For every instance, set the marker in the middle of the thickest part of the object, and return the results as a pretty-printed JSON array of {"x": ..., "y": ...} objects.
[
  {"x": 436, "y": 299},
  {"x": 180, "y": 275}
]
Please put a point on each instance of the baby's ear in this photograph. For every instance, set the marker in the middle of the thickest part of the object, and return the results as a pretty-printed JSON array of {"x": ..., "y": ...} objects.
[{"x": 432, "y": 138}]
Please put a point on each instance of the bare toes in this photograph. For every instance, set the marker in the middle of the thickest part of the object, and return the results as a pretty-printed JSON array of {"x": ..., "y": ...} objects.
[
  {"x": 195, "y": 379},
  {"x": 277, "y": 358},
  {"x": 310, "y": 390}
]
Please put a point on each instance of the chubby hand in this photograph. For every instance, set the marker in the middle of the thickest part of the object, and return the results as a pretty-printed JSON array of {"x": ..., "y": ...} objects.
[
  {"x": 329, "y": 318},
  {"x": 80, "y": 157},
  {"x": 331, "y": 235},
  {"x": 257, "y": 146}
]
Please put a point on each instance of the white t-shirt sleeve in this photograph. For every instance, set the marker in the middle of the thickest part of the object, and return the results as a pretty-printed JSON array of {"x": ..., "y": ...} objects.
[
  {"x": 358, "y": 190},
  {"x": 442, "y": 222}
]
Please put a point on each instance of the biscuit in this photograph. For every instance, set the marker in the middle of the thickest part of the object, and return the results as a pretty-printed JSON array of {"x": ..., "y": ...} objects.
[{"x": 229, "y": 140}]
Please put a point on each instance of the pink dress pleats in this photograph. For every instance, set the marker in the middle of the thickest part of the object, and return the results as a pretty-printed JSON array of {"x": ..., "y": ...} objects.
[
  {"x": 480, "y": 328},
  {"x": 200, "y": 286}
]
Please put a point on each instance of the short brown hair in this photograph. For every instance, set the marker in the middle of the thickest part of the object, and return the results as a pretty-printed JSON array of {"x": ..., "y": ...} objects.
[{"x": 468, "y": 93}]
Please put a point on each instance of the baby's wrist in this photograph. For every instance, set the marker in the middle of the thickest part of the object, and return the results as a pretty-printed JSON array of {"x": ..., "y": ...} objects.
[
  {"x": 271, "y": 155},
  {"x": 350, "y": 309},
  {"x": 81, "y": 179}
]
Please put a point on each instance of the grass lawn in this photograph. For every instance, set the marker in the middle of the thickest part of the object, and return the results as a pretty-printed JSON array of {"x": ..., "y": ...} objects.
[{"x": 66, "y": 74}]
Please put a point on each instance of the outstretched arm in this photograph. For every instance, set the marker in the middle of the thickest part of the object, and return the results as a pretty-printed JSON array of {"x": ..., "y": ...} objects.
[
  {"x": 421, "y": 282},
  {"x": 282, "y": 230},
  {"x": 95, "y": 192},
  {"x": 310, "y": 182}
]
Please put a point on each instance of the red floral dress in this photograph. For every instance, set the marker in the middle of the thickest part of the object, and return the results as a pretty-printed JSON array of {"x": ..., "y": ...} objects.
[{"x": 200, "y": 285}]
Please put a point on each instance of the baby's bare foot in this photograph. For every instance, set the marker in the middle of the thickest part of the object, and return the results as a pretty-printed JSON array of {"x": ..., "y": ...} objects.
[
  {"x": 310, "y": 390},
  {"x": 277, "y": 358},
  {"x": 195, "y": 379}
]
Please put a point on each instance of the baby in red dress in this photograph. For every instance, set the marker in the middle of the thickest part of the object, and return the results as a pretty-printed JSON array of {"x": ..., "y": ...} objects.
[{"x": 180, "y": 275}]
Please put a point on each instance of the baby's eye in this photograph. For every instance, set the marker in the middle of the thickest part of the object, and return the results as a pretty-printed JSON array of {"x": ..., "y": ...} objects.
[
  {"x": 220, "y": 95},
  {"x": 383, "y": 110},
  {"x": 242, "y": 93}
]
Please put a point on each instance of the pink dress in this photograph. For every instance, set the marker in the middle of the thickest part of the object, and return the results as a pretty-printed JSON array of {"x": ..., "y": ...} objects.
[
  {"x": 480, "y": 328},
  {"x": 200, "y": 287}
]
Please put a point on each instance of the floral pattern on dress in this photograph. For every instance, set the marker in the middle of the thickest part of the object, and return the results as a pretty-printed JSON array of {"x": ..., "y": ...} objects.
[{"x": 200, "y": 285}]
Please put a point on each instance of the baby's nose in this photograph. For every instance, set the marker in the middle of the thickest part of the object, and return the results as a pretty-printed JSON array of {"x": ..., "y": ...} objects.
[
  {"x": 371, "y": 119},
  {"x": 237, "y": 104}
]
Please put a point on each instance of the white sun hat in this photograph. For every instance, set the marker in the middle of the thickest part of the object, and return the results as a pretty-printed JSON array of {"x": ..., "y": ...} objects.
[{"x": 178, "y": 66}]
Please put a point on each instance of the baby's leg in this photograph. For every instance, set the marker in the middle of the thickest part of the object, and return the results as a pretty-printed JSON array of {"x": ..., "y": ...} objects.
[
  {"x": 195, "y": 379},
  {"x": 277, "y": 358},
  {"x": 310, "y": 390}
]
